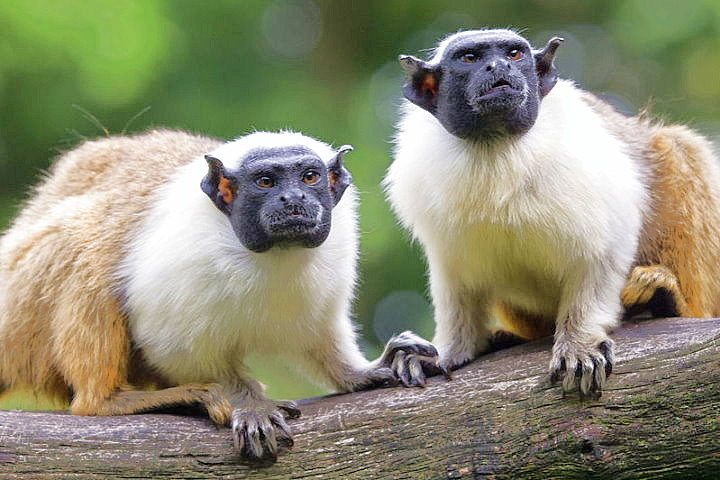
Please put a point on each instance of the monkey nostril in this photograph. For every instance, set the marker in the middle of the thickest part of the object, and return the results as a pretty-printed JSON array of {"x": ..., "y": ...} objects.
[
  {"x": 283, "y": 198},
  {"x": 489, "y": 68}
]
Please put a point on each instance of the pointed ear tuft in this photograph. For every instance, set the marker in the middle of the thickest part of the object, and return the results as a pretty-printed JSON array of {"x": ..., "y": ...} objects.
[
  {"x": 338, "y": 176},
  {"x": 217, "y": 184},
  {"x": 545, "y": 65},
  {"x": 422, "y": 79}
]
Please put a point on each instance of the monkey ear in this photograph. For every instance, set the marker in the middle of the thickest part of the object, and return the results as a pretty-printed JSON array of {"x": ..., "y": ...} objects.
[
  {"x": 545, "y": 65},
  {"x": 218, "y": 185},
  {"x": 421, "y": 85},
  {"x": 338, "y": 176}
]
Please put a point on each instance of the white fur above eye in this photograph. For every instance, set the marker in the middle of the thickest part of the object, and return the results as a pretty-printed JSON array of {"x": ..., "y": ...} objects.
[{"x": 199, "y": 302}]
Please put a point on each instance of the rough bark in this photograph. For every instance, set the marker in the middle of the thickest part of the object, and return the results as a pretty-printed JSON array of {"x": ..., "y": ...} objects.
[{"x": 659, "y": 418}]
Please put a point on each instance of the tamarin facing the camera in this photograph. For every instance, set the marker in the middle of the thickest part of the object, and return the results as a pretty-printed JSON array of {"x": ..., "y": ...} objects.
[
  {"x": 167, "y": 258},
  {"x": 537, "y": 203}
]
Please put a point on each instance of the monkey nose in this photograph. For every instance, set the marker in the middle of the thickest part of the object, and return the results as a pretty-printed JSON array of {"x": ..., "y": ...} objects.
[{"x": 292, "y": 197}]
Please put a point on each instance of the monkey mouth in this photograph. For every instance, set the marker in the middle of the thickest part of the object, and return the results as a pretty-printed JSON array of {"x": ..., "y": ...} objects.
[
  {"x": 292, "y": 220},
  {"x": 500, "y": 83},
  {"x": 499, "y": 87}
]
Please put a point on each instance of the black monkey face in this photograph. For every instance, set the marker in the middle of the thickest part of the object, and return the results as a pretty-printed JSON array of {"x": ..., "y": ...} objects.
[
  {"x": 278, "y": 197},
  {"x": 482, "y": 84}
]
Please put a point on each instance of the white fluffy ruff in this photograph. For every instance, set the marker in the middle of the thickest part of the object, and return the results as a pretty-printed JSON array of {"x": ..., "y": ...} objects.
[
  {"x": 199, "y": 302},
  {"x": 535, "y": 221}
]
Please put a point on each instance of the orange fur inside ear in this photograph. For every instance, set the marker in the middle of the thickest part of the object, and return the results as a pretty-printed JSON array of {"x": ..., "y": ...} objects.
[
  {"x": 429, "y": 84},
  {"x": 225, "y": 189}
]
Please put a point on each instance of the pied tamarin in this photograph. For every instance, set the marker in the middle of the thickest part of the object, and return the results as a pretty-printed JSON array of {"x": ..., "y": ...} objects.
[
  {"x": 540, "y": 205},
  {"x": 165, "y": 259}
]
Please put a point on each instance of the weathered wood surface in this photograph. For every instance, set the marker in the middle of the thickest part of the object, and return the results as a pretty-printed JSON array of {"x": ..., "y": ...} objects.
[{"x": 659, "y": 418}]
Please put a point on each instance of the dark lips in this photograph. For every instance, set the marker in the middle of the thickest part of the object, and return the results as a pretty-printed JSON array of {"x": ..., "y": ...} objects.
[{"x": 500, "y": 87}]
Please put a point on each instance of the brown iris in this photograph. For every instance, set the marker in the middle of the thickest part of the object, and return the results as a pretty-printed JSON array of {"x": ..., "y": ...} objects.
[
  {"x": 311, "y": 177},
  {"x": 515, "y": 54},
  {"x": 265, "y": 182}
]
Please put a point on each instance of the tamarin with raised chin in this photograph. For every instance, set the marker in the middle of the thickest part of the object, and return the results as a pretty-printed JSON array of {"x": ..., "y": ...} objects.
[
  {"x": 166, "y": 258},
  {"x": 539, "y": 204}
]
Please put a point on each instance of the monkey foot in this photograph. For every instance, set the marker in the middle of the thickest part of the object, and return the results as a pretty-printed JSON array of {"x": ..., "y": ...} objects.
[
  {"x": 412, "y": 359},
  {"x": 260, "y": 432},
  {"x": 582, "y": 368}
]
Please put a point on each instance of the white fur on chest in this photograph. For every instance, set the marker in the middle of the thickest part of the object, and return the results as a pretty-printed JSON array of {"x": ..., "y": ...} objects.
[
  {"x": 514, "y": 220},
  {"x": 199, "y": 302}
]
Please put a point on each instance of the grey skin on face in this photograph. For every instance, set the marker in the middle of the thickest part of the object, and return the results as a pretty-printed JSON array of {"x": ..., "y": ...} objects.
[
  {"x": 484, "y": 85},
  {"x": 278, "y": 196}
]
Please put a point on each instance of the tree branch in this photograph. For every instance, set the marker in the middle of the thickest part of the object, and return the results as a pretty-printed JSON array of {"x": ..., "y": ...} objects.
[{"x": 659, "y": 418}]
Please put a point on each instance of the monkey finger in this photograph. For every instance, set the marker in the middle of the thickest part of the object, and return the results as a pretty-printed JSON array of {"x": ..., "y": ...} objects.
[
  {"x": 267, "y": 438},
  {"x": 400, "y": 368},
  {"x": 417, "y": 375},
  {"x": 253, "y": 442},
  {"x": 290, "y": 408},
  {"x": 586, "y": 376},
  {"x": 599, "y": 378},
  {"x": 606, "y": 348},
  {"x": 282, "y": 430},
  {"x": 571, "y": 374},
  {"x": 238, "y": 436},
  {"x": 557, "y": 371}
]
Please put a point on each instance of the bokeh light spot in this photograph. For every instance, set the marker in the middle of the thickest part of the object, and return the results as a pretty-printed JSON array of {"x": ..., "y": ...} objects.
[{"x": 292, "y": 28}]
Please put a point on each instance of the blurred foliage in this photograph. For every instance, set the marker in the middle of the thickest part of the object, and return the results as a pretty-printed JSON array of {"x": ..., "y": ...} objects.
[{"x": 323, "y": 67}]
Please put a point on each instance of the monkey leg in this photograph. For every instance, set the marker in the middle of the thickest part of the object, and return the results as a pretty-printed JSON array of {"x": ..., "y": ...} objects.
[
  {"x": 461, "y": 324},
  {"x": 92, "y": 351},
  {"x": 126, "y": 401},
  {"x": 655, "y": 288},
  {"x": 338, "y": 362},
  {"x": 582, "y": 355}
]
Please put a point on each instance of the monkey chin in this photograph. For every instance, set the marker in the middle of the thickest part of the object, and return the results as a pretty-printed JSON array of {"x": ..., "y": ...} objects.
[{"x": 298, "y": 232}]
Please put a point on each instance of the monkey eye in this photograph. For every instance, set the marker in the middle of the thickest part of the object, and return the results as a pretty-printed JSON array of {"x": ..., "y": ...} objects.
[
  {"x": 311, "y": 177},
  {"x": 265, "y": 182},
  {"x": 515, "y": 54},
  {"x": 469, "y": 58}
]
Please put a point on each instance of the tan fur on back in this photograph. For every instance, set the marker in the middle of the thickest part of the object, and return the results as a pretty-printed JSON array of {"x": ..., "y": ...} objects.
[
  {"x": 60, "y": 317},
  {"x": 683, "y": 232}
]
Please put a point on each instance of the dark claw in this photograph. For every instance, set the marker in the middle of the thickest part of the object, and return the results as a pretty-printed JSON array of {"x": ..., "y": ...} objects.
[
  {"x": 558, "y": 373},
  {"x": 606, "y": 349}
]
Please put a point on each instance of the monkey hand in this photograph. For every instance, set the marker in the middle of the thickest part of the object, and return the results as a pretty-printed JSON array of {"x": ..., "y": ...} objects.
[
  {"x": 411, "y": 359},
  {"x": 260, "y": 431},
  {"x": 582, "y": 367}
]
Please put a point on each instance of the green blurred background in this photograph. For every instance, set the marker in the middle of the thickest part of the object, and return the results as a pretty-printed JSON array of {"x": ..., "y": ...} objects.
[{"x": 327, "y": 68}]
